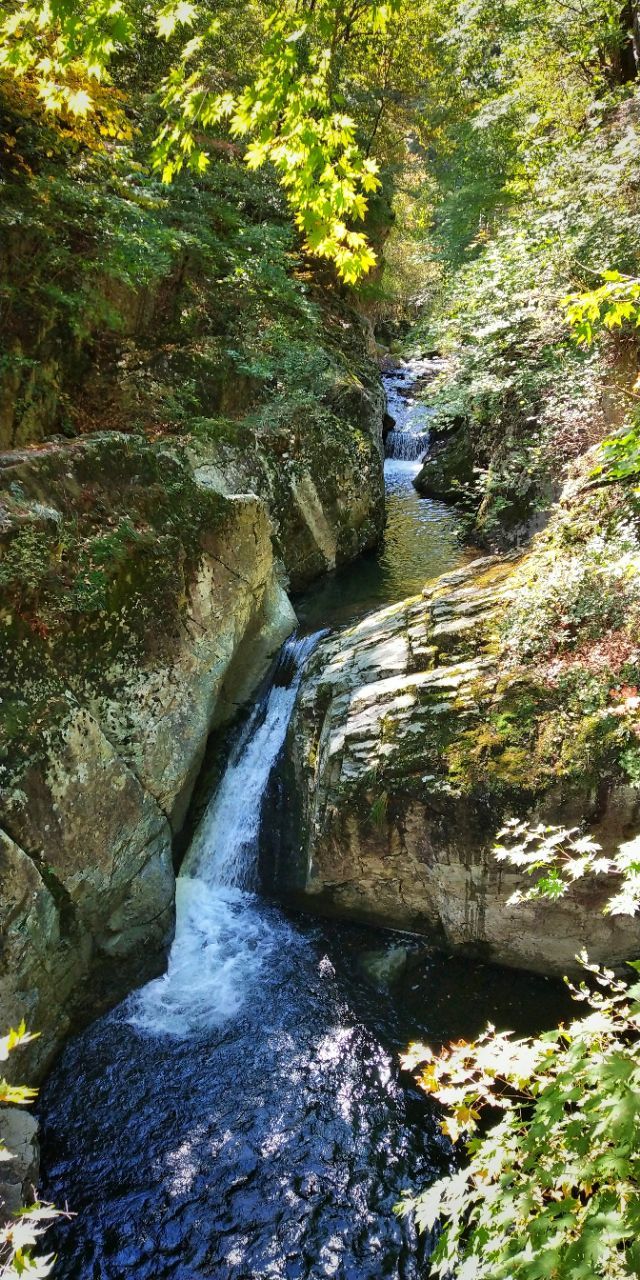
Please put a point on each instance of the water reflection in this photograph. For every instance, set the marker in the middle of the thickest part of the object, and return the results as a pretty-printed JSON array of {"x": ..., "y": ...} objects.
[{"x": 422, "y": 538}]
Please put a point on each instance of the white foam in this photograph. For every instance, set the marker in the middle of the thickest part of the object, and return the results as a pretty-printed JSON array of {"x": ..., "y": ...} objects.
[
  {"x": 222, "y": 939},
  {"x": 220, "y": 946}
]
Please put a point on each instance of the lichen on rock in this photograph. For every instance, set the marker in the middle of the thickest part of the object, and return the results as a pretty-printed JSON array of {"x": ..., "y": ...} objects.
[{"x": 414, "y": 739}]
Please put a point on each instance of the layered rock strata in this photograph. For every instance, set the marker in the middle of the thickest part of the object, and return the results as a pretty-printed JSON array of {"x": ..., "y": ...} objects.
[{"x": 406, "y": 772}]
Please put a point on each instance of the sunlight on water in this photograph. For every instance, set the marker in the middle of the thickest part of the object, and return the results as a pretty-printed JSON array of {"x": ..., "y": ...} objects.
[{"x": 222, "y": 939}]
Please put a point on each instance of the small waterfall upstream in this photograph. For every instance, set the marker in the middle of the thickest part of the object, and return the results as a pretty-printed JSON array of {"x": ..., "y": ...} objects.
[
  {"x": 222, "y": 940},
  {"x": 406, "y": 446},
  {"x": 409, "y": 439}
]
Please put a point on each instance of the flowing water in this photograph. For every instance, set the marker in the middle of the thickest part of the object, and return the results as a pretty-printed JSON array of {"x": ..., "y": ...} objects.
[
  {"x": 409, "y": 437},
  {"x": 234, "y": 1119},
  {"x": 222, "y": 938},
  {"x": 243, "y": 1117},
  {"x": 422, "y": 537}
]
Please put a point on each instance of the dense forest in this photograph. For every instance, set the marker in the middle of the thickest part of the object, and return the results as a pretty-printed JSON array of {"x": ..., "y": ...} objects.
[{"x": 226, "y": 231}]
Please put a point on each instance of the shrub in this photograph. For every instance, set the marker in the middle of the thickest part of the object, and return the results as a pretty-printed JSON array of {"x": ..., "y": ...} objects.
[{"x": 553, "y": 1188}]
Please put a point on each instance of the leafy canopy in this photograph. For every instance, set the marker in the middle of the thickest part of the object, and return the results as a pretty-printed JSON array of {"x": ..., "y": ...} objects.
[
  {"x": 610, "y": 305},
  {"x": 558, "y": 856},
  {"x": 292, "y": 110}
]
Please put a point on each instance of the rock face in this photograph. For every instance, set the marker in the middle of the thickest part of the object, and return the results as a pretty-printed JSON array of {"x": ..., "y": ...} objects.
[
  {"x": 267, "y": 379},
  {"x": 405, "y": 777},
  {"x": 143, "y": 567},
  {"x": 19, "y": 1176},
  {"x": 447, "y": 472},
  {"x": 324, "y": 490},
  {"x": 139, "y": 608}
]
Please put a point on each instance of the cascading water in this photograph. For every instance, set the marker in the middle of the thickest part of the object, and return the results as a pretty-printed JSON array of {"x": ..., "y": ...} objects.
[
  {"x": 244, "y": 1117},
  {"x": 406, "y": 446},
  {"x": 238, "y": 1120},
  {"x": 221, "y": 939},
  {"x": 408, "y": 440}
]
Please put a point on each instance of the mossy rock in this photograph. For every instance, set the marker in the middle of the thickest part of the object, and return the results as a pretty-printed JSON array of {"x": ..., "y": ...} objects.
[{"x": 447, "y": 473}]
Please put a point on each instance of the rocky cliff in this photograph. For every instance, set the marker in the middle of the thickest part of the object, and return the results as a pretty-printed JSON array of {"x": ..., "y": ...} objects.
[
  {"x": 141, "y": 602},
  {"x": 191, "y": 427},
  {"x": 137, "y": 607},
  {"x": 420, "y": 730}
]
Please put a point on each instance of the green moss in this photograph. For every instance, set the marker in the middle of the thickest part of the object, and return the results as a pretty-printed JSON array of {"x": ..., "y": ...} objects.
[{"x": 111, "y": 575}]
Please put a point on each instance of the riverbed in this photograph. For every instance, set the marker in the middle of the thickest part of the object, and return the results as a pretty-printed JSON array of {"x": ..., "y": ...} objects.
[{"x": 244, "y": 1117}]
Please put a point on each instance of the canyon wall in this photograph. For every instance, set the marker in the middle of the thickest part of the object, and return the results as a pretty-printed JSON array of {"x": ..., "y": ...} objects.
[
  {"x": 413, "y": 742},
  {"x": 142, "y": 597}
]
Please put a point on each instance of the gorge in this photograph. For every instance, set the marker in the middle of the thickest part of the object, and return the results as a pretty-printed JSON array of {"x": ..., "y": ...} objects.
[
  {"x": 319, "y": 640},
  {"x": 237, "y": 1109}
]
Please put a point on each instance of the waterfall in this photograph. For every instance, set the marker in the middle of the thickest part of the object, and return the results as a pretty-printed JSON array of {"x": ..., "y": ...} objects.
[
  {"x": 222, "y": 939},
  {"x": 409, "y": 439},
  {"x": 406, "y": 446}
]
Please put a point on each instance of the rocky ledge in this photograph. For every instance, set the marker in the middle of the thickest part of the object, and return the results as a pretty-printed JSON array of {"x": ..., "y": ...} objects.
[{"x": 409, "y": 748}]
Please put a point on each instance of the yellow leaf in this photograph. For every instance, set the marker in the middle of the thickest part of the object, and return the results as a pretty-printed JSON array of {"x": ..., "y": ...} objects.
[{"x": 78, "y": 102}]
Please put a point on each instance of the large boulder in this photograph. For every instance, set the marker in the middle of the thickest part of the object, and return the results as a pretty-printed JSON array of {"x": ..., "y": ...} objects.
[
  {"x": 323, "y": 485},
  {"x": 139, "y": 609},
  {"x": 408, "y": 749}
]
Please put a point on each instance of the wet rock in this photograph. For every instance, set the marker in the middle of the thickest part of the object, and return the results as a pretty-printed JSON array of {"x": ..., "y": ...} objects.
[
  {"x": 386, "y": 966},
  {"x": 406, "y": 763},
  {"x": 142, "y": 600},
  {"x": 447, "y": 473},
  {"x": 324, "y": 492},
  {"x": 19, "y": 1174}
]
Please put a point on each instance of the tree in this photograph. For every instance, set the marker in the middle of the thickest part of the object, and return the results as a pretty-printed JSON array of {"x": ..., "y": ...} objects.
[{"x": 292, "y": 107}]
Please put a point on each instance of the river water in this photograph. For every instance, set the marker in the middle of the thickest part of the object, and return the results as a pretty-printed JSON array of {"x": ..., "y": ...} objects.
[
  {"x": 422, "y": 537},
  {"x": 244, "y": 1116}
]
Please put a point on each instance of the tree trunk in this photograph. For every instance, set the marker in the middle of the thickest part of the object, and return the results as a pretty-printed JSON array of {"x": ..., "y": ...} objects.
[{"x": 624, "y": 63}]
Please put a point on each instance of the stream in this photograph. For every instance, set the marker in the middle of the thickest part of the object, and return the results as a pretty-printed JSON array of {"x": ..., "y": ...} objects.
[
  {"x": 244, "y": 1117},
  {"x": 422, "y": 537}
]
